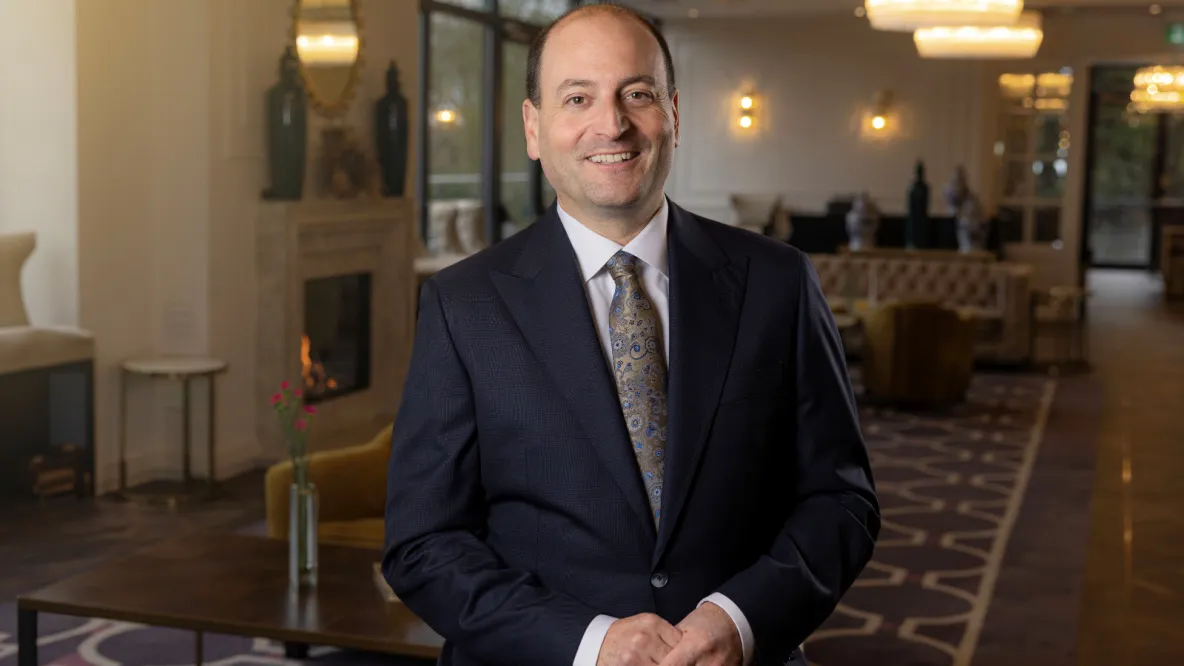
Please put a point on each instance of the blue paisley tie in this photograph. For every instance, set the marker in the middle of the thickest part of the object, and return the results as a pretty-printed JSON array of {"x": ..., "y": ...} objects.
[{"x": 640, "y": 368}]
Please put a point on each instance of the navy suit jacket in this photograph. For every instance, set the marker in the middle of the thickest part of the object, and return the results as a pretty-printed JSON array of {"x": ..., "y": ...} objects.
[{"x": 515, "y": 510}]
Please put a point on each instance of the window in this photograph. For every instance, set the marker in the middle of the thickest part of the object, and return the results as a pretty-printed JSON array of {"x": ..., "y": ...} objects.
[
  {"x": 473, "y": 80},
  {"x": 1033, "y": 153},
  {"x": 473, "y": 62}
]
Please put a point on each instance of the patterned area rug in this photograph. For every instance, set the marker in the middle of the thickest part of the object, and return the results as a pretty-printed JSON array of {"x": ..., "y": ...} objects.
[{"x": 951, "y": 485}]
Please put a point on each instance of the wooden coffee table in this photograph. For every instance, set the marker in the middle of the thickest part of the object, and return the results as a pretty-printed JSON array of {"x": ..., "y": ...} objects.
[{"x": 235, "y": 584}]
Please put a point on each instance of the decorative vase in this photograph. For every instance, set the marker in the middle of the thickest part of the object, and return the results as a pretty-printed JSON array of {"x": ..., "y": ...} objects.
[
  {"x": 391, "y": 135},
  {"x": 302, "y": 535},
  {"x": 863, "y": 221},
  {"x": 917, "y": 224},
  {"x": 286, "y": 121}
]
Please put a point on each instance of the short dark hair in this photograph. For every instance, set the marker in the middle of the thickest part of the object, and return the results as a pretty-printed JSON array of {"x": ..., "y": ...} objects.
[{"x": 535, "y": 57}]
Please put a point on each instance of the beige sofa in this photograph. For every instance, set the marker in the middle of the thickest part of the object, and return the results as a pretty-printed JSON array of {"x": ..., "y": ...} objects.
[
  {"x": 47, "y": 382},
  {"x": 994, "y": 294}
]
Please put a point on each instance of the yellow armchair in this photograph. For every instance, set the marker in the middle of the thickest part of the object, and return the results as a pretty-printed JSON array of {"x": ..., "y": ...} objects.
[
  {"x": 918, "y": 353},
  {"x": 351, "y": 492}
]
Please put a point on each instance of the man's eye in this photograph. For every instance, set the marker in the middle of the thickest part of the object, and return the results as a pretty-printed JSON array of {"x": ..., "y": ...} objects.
[
  {"x": 639, "y": 95},
  {"x": 575, "y": 99}
]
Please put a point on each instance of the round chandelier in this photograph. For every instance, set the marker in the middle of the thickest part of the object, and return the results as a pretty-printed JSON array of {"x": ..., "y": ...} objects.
[
  {"x": 1158, "y": 88},
  {"x": 910, "y": 15},
  {"x": 1021, "y": 39}
]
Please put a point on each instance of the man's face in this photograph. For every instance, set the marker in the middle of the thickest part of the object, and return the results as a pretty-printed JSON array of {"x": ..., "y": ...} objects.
[{"x": 606, "y": 126}]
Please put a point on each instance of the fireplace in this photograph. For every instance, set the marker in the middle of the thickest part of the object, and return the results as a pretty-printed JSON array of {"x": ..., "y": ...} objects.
[{"x": 335, "y": 344}]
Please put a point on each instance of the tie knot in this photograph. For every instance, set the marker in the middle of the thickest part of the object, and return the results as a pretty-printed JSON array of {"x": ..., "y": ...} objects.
[{"x": 622, "y": 265}]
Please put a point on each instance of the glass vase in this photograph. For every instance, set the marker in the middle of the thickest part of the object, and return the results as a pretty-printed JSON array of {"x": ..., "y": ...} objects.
[{"x": 302, "y": 535}]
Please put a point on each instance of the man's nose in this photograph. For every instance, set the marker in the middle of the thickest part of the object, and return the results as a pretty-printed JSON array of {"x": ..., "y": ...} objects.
[{"x": 611, "y": 120}]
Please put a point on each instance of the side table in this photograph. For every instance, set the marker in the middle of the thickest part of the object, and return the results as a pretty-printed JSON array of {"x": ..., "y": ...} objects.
[{"x": 183, "y": 369}]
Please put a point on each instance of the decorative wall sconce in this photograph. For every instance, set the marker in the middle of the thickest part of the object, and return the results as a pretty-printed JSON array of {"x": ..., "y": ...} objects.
[
  {"x": 747, "y": 116},
  {"x": 879, "y": 119}
]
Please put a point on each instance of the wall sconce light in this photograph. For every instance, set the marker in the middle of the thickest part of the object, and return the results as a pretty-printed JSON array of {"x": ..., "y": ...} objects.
[
  {"x": 882, "y": 110},
  {"x": 747, "y": 119},
  {"x": 879, "y": 121}
]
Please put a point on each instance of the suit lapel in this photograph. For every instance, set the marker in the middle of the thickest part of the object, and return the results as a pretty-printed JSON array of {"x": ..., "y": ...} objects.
[
  {"x": 706, "y": 291},
  {"x": 545, "y": 294}
]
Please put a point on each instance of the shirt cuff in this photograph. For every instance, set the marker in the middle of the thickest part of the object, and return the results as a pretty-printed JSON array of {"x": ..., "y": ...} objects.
[
  {"x": 747, "y": 641},
  {"x": 589, "y": 651}
]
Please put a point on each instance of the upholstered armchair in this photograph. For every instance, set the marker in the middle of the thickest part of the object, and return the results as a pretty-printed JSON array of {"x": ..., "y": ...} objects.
[
  {"x": 351, "y": 488},
  {"x": 917, "y": 353}
]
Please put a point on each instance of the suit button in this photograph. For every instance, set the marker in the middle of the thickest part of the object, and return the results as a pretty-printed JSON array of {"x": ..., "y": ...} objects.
[{"x": 659, "y": 579}]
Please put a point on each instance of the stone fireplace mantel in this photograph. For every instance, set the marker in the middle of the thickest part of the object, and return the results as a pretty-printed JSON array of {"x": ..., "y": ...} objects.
[{"x": 298, "y": 241}]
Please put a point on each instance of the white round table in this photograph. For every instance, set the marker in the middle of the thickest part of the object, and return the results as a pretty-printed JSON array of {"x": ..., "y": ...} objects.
[{"x": 174, "y": 368}]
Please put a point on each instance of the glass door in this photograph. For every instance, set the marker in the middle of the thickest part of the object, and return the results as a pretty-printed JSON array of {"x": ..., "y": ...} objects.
[{"x": 1122, "y": 179}]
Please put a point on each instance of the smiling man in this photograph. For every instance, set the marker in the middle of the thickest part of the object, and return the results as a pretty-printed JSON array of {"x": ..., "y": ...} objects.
[{"x": 627, "y": 435}]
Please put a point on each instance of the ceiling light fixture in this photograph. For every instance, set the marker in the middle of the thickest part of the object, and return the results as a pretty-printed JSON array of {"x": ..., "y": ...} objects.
[{"x": 910, "y": 15}]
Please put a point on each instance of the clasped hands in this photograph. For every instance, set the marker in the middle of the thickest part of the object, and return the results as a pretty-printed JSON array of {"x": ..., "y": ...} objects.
[{"x": 706, "y": 637}]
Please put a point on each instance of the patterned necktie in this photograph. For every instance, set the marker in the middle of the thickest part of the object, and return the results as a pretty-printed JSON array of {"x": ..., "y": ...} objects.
[{"x": 640, "y": 367}]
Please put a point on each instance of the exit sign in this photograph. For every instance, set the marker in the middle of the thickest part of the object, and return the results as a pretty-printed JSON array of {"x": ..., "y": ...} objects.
[{"x": 1176, "y": 33}]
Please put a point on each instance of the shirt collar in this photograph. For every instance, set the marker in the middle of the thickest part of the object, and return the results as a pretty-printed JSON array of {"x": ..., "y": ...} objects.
[{"x": 593, "y": 250}]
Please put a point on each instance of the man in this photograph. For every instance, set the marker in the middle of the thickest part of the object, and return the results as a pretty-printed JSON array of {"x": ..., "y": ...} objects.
[{"x": 627, "y": 436}]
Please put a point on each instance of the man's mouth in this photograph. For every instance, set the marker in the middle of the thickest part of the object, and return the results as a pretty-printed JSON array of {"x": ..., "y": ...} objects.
[{"x": 614, "y": 158}]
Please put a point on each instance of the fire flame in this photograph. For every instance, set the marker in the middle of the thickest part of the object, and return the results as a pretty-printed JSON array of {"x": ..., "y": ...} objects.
[{"x": 312, "y": 373}]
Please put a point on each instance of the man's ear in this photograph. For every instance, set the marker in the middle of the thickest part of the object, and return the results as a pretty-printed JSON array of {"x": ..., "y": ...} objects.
[
  {"x": 674, "y": 106},
  {"x": 530, "y": 123}
]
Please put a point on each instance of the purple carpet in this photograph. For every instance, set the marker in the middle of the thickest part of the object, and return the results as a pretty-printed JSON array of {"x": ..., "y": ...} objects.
[
  {"x": 955, "y": 489},
  {"x": 960, "y": 570}
]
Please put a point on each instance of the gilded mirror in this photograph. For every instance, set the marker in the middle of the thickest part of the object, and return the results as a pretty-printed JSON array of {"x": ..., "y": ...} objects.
[{"x": 328, "y": 36}]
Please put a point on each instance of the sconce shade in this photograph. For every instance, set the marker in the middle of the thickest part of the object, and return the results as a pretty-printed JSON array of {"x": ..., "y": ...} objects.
[{"x": 910, "y": 15}]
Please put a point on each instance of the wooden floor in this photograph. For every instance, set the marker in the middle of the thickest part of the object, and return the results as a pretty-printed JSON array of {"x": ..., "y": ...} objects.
[
  {"x": 41, "y": 542},
  {"x": 1133, "y": 606}
]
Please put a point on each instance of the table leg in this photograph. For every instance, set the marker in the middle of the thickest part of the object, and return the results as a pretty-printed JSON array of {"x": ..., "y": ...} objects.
[
  {"x": 186, "y": 473},
  {"x": 291, "y": 651},
  {"x": 198, "y": 656},
  {"x": 210, "y": 434},
  {"x": 123, "y": 379},
  {"x": 26, "y": 637}
]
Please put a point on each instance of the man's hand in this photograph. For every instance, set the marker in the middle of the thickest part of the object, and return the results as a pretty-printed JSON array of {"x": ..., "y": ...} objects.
[
  {"x": 640, "y": 640},
  {"x": 709, "y": 638}
]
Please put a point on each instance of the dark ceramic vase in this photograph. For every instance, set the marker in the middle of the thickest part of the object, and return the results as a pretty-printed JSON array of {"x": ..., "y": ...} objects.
[
  {"x": 392, "y": 135},
  {"x": 917, "y": 223},
  {"x": 287, "y": 139}
]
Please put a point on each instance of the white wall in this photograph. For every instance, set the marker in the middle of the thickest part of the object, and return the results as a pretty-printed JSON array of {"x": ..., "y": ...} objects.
[
  {"x": 816, "y": 78},
  {"x": 817, "y": 74},
  {"x": 38, "y": 151},
  {"x": 143, "y": 209}
]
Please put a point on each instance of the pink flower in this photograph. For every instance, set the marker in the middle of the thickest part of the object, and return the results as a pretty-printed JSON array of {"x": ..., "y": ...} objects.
[
  {"x": 297, "y": 393},
  {"x": 309, "y": 409},
  {"x": 300, "y": 424},
  {"x": 284, "y": 385},
  {"x": 275, "y": 399}
]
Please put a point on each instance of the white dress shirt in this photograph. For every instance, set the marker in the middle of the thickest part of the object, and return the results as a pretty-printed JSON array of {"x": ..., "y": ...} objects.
[{"x": 592, "y": 252}]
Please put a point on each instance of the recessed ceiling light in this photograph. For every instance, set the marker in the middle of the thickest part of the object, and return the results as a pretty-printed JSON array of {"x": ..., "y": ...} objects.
[
  {"x": 693, "y": 13},
  {"x": 860, "y": 12},
  {"x": 1156, "y": 10}
]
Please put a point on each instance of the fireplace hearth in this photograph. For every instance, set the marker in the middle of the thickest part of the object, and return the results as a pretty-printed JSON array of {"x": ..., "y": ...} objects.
[{"x": 335, "y": 344}]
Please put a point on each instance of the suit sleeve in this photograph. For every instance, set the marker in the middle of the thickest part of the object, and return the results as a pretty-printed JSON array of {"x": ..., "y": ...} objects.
[
  {"x": 830, "y": 535},
  {"x": 435, "y": 558}
]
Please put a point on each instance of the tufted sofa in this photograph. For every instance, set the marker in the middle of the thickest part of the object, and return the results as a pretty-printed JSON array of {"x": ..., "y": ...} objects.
[{"x": 994, "y": 294}]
